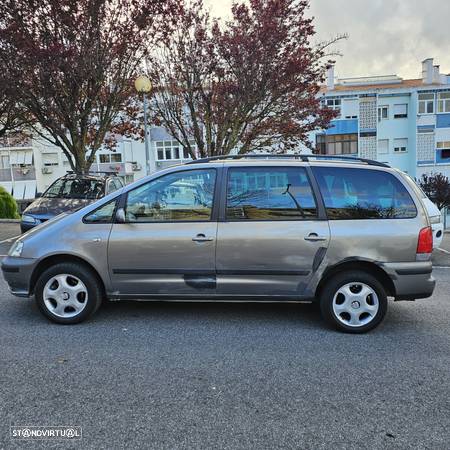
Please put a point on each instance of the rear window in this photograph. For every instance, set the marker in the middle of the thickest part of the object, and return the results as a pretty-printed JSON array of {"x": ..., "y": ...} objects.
[{"x": 363, "y": 194}]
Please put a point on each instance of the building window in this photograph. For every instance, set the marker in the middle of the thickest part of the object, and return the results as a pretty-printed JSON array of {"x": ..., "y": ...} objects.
[
  {"x": 426, "y": 104},
  {"x": 443, "y": 145},
  {"x": 109, "y": 158},
  {"x": 383, "y": 146},
  {"x": 337, "y": 144},
  {"x": 383, "y": 113},
  {"x": 168, "y": 150},
  {"x": 350, "y": 108},
  {"x": 400, "y": 111},
  {"x": 443, "y": 148},
  {"x": 321, "y": 144},
  {"x": 444, "y": 102},
  {"x": 333, "y": 103},
  {"x": 400, "y": 145},
  {"x": 50, "y": 159},
  {"x": 4, "y": 161}
]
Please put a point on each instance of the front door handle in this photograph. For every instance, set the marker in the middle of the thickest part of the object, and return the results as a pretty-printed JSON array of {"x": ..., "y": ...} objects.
[
  {"x": 314, "y": 237},
  {"x": 202, "y": 238}
]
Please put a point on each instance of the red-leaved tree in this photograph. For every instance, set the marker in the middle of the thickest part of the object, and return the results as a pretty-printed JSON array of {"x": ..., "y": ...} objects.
[
  {"x": 13, "y": 116},
  {"x": 437, "y": 188},
  {"x": 73, "y": 63},
  {"x": 250, "y": 83}
]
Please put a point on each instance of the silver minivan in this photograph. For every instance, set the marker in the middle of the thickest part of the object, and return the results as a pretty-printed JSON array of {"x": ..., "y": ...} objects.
[{"x": 344, "y": 232}]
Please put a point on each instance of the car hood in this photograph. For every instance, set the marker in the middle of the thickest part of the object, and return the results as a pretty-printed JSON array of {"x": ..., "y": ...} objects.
[{"x": 49, "y": 207}]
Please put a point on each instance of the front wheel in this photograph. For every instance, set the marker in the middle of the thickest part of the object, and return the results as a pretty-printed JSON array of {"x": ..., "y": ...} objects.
[
  {"x": 353, "y": 301},
  {"x": 68, "y": 293}
]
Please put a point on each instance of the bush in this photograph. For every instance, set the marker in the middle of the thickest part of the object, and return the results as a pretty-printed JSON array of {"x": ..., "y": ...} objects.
[{"x": 8, "y": 206}]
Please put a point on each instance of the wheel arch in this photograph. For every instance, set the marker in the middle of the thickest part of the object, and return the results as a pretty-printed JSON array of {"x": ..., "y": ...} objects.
[
  {"x": 51, "y": 260},
  {"x": 368, "y": 266}
]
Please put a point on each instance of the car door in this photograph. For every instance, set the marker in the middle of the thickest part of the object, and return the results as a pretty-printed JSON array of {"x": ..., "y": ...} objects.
[
  {"x": 272, "y": 232},
  {"x": 166, "y": 243}
]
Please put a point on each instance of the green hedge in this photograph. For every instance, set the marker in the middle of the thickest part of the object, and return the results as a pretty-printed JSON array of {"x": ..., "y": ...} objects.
[{"x": 8, "y": 206}]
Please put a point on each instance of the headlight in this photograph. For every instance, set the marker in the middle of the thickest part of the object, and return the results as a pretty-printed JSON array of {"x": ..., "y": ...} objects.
[
  {"x": 29, "y": 219},
  {"x": 435, "y": 219},
  {"x": 16, "y": 249}
]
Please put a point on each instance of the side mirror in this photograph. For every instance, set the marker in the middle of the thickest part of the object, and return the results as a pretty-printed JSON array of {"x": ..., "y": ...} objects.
[
  {"x": 38, "y": 194},
  {"x": 120, "y": 216}
]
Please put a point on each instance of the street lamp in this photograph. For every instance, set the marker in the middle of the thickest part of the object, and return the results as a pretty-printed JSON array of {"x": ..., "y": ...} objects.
[{"x": 143, "y": 86}]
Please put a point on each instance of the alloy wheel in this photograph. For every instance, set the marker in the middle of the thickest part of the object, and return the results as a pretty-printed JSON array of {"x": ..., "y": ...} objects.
[
  {"x": 355, "y": 304},
  {"x": 65, "y": 295}
]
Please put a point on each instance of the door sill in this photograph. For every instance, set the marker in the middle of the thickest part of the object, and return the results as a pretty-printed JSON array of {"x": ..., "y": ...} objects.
[{"x": 213, "y": 298}]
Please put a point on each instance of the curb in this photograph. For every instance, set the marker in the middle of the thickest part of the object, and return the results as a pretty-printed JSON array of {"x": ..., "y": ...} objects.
[{"x": 9, "y": 220}]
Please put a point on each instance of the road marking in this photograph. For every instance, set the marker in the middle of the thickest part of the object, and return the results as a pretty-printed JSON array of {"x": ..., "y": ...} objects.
[
  {"x": 9, "y": 239},
  {"x": 443, "y": 251},
  {"x": 441, "y": 267}
]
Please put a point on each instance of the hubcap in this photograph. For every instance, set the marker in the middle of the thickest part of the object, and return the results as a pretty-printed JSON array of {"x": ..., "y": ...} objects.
[
  {"x": 355, "y": 304},
  {"x": 65, "y": 295}
]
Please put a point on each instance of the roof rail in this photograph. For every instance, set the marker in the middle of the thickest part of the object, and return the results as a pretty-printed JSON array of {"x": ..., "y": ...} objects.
[
  {"x": 94, "y": 172},
  {"x": 300, "y": 156}
]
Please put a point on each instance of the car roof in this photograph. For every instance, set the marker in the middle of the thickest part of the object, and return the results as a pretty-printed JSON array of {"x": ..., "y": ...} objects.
[{"x": 99, "y": 176}]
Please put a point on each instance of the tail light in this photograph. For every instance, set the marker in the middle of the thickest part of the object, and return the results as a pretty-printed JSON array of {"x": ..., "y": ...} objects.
[{"x": 425, "y": 242}]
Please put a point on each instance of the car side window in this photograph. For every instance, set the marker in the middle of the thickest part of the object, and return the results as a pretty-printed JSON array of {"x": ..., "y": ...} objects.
[
  {"x": 104, "y": 214},
  {"x": 269, "y": 193},
  {"x": 180, "y": 196},
  {"x": 352, "y": 193}
]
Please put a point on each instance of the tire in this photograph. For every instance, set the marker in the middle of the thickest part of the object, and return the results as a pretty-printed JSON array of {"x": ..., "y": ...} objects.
[
  {"x": 68, "y": 293},
  {"x": 353, "y": 301}
]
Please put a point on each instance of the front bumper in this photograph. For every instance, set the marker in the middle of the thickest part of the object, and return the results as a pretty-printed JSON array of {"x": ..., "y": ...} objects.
[
  {"x": 412, "y": 280},
  {"x": 17, "y": 273}
]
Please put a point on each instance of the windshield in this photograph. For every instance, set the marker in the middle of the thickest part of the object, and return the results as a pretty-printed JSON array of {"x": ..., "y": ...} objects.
[{"x": 75, "y": 188}]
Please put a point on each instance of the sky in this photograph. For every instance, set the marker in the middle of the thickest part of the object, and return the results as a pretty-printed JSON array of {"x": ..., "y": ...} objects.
[{"x": 385, "y": 37}]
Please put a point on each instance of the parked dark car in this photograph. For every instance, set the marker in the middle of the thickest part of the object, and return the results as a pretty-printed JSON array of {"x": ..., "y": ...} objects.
[{"x": 67, "y": 194}]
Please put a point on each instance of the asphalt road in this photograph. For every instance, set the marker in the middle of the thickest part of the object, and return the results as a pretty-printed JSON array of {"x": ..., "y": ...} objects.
[{"x": 238, "y": 376}]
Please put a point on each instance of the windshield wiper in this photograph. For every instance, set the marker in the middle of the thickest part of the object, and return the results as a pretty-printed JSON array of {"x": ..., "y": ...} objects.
[{"x": 297, "y": 204}]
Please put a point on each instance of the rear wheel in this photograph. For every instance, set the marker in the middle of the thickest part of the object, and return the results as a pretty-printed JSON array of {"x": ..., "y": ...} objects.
[
  {"x": 68, "y": 293},
  {"x": 353, "y": 301}
]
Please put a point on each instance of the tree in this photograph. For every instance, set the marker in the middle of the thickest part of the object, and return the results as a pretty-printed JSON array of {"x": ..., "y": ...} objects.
[
  {"x": 437, "y": 187},
  {"x": 8, "y": 206},
  {"x": 251, "y": 83},
  {"x": 13, "y": 117},
  {"x": 74, "y": 63}
]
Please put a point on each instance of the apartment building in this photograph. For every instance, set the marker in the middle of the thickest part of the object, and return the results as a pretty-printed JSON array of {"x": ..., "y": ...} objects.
[{"x": 402, "y": 122}]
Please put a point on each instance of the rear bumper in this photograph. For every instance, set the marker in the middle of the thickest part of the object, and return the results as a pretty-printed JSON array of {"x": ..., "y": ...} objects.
[
  {"x": 17, "y": 273},
  {"x": 412, "y": 280}
]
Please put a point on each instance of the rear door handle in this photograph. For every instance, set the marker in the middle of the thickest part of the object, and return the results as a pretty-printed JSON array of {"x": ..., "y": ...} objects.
[
  {"x": 202, "y": 238},
  {"x": 314, "y": 237}
]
